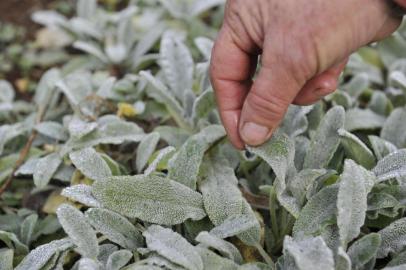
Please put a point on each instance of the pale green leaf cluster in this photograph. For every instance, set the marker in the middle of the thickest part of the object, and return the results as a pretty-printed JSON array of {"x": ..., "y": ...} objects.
[{"x": 129, "y": 148}]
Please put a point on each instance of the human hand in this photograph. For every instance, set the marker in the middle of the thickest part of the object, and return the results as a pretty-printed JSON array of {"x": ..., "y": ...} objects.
[{"x": 303, "y": 46}]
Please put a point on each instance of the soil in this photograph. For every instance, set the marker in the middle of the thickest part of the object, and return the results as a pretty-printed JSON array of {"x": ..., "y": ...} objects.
[{"x": 19, "y": 12}]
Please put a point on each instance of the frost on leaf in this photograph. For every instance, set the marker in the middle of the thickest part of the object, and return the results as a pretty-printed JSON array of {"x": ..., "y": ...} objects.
[
  {"x": 27, "y": 229},
  {"x": 119, "y": 259},
  {"x": 364, "y": 249},
  {"x": 381, "y": 147},
  {"x": 394, "y": 128},
  {"x": 46, "y": 168},
  {"x": 146, "y": 149},
  {"x": 6, "y": 259},
  {"x": 115, "y": 227},
  {"x": 11, "y": 241},
  {"x": 203, "y": 105},
  {"x": 53, "y": 130},
  {"x": 76, "y": 87},
  {"x": 173, "y": 246},
  {"x": 105, "y": 250},
  {"x": 42, "y": 254},
  {"x": 221, "y": 195},
  {"x": 295, "y": 122},
  {"x": 79, "y": 230},
  {"x": 185, "y": 167},
  {"x": 7, "y": 93},
  {"x": 279, "y": 153},
  {"x": 150, "y": 198},
  {"x": 205, "y": 46},
  {"x": 86, "y": 8},
  {"x": 163, "y": 95},
  {"x": 213, "y": 261},
  {"x": 318, "y": 212},
  {"x": 393, "y": 238},
  {"x": 343, "y": 261},
  {"x": 201, "y": 6},
  {"x": 359, "y": 119},
  {"x": 354, "y": 186},
  {"x": 177, "y": 64},
  {"x": 312, "y": 253},
  {"x": 233, "y": 225},
  {"x": 91, "y": 164},
  {"x": 245, "y": 226},
  {"x": 88, "y": 264},
  {"x": 82, "y": 194},
  {"x": 189, "y": 9},
  {"x": 391, "y": 166},
  {"x": 111, "y": 130},
  {"x": 162, "y": 156},
  {"x": 326, "y": 140},
  {"x": 225, "y": 248},
  {"x": 79, "y": 128},
  {"x": 46, "y": 87},
  {"x": 302, "y": 183},
  {"x": 252, "y": 236},
  {"x": 357, "y": 150}
]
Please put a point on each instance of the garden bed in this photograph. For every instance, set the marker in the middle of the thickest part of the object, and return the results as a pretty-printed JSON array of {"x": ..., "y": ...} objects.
[{"x": 113, "y": 156}]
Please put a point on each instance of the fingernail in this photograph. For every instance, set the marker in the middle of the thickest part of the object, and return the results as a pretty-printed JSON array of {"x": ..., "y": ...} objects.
[
  {"x": 322, "y": 92},
  {"x": 254, "y": 134}
]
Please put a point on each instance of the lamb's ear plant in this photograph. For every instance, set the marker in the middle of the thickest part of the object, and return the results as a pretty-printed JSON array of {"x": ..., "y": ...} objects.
[
  {"x": 113, "y": 39},
  {"x": 127, "y": 166}
]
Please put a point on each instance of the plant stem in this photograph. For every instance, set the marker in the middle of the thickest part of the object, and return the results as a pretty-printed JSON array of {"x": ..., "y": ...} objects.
[
  {"x": 288, "y": 224},
  {"x": 272, "y": 211},
  {"x": 140, "y": 227},
  {"x": 23, "y": 155},
  {"x": 283, "y": 223},
  {"x": 25, "y": 151},
  {"x": 265, "y": 255}
]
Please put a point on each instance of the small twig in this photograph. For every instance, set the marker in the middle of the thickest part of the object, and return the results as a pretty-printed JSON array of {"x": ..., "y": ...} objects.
[
  {"x": 23, "y": 155},
  {"x": 24, "y": 152}
]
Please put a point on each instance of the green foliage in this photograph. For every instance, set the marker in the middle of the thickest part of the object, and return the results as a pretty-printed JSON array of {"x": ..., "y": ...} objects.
[
  {"x": 151, "y": 198},
  {"x": 354, "y": 186},
  {"x": 128, "y": 151},
  {"x": 173, "y": 246},
  {"x": 309, "y": 253},
  {"x": 79, "y": 230}
]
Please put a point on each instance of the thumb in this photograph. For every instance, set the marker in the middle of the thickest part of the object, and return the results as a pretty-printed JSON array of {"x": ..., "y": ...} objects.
[{"x": 274, "y": 89}]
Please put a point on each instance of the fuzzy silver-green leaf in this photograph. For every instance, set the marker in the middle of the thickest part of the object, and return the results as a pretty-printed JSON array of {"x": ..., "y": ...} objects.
[
  {"x": 173, "y": 246},
  {"x": 91, "y": 164},
  {"x": 150, "y": 198},
  {"x": 354, "y": 186},
  {"x": 78, "y": 228},
  {"x": 326, "y": 140},
  {"x": 115, "y": 227}
]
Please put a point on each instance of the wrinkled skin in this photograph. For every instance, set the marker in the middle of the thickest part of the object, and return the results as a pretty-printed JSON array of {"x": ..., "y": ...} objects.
[{"x": 304, "y": 46}]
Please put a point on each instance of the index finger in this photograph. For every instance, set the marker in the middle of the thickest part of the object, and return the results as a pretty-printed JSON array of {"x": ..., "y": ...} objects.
[{"x": 231, "y": 71}]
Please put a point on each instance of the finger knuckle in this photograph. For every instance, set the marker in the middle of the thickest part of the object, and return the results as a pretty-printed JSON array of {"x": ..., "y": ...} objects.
[
  {"x": 302, "y": 63},
  {"x": 324, "y": 92},
  {"x": 268, "y": 108}
]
